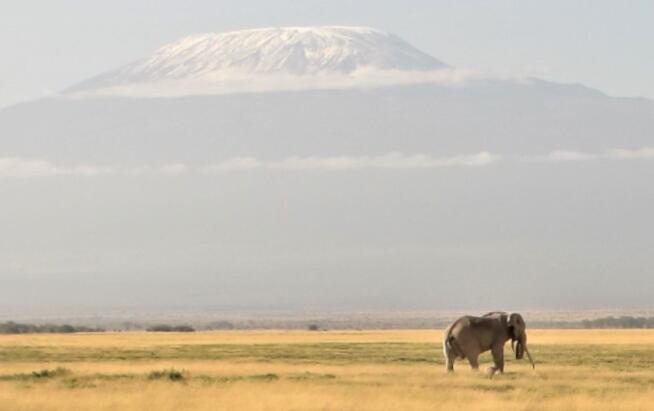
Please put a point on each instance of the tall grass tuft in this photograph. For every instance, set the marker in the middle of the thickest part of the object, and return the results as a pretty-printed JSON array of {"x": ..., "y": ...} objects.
[
  {"x": 45, "y": 373},
  {"x": 170, "y": 374}
]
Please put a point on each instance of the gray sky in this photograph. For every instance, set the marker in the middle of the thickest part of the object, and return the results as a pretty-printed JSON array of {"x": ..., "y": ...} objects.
[
  {"x": 502, "y": 194},
  {"x": 49, "y": 45}
]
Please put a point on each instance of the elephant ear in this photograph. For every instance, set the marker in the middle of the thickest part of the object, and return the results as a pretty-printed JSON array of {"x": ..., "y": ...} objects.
[
  {"x": 516, "y": 329},
  {"x": 516, "y": 325}
]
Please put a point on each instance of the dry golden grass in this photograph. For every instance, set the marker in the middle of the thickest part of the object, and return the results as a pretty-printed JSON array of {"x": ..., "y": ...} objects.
[
  {"x": 140, "y": 339},
  {"x": 388, "y": 370}
]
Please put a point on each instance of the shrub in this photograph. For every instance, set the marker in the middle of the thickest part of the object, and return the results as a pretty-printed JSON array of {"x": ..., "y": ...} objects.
[
  {"x": 16, "y": 328},
  {"x": 621, "y": 322},
  {"x": 264, "y": 377},
  {"x": 171, "y": 374},
  {"x": 166, "y": 328},
  {"x": 57, "y": 372}
]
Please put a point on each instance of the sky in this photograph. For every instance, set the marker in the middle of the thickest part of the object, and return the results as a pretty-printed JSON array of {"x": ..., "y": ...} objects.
[
  {"x": 477, "y": 195},
  {"x": 50, "y": 45}
]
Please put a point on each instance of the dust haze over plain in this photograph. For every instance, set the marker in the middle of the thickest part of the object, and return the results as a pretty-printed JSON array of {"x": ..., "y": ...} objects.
[{"x": 342, "y": 168}]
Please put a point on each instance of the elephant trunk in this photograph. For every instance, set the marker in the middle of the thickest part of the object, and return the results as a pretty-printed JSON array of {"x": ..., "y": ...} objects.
[
  {"x": 531, "y": 360},
  {"x": 521, "y": 349}
]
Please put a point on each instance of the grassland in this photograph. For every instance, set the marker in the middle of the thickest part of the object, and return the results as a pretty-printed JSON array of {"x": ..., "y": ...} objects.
[{"x": 380, "y": 370}]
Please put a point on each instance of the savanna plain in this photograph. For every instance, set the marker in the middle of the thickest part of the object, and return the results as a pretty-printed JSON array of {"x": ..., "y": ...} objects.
[{"x": 319, "y": 370}]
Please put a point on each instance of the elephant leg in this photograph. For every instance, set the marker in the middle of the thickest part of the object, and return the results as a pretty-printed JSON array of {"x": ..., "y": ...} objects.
[
  {"x": 498, "y": 360},
  {"x": 473, "y": 359},
  {"x": 450, "y": 357}
]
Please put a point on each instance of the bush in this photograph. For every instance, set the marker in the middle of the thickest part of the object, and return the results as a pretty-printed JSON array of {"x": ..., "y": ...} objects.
[
  {"x": 165, "y": 328},
  {"x": 620, "y": 322},
  {"x": 171, "y": 374},
  {"x": 16, "y": 328},
  {"x": 57, "y": 372}
]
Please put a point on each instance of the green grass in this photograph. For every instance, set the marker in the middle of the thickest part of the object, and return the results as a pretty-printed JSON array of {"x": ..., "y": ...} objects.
[
  {"x": 68, "y": 380},
  {"x": 39, "y": 375},
  {"x": 614, "y": 357}
]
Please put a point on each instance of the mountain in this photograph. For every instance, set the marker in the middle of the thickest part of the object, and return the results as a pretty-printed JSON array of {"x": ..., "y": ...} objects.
[
  {"x": 357, "y": 172},
  {"x": 505, "y": 118},
  {"x": 292, "y": 51}
]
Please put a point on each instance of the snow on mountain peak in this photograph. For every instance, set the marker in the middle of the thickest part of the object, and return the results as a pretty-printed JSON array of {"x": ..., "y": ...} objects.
[{"x": 299, "y": 52}]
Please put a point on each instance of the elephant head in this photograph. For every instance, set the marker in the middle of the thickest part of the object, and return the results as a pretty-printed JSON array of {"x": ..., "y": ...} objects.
[{"x": 518, "y": 334}]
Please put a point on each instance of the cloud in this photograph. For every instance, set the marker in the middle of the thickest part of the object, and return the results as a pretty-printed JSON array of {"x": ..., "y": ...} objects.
[
  {"x": 28, "y": 168},
  {"x": 233, "y": 164},
  {"x": 566, "y": 155},
  {"x": 177, "y": 168},
  {"x": 387, "y": 161},
  {"x": 558, "y": 156},
  {"x": 13, "y": 167},
  {"x": 231, "y": 81},
  {"x": 621, "y": 153},
  {"x": 572, "y": 156}
]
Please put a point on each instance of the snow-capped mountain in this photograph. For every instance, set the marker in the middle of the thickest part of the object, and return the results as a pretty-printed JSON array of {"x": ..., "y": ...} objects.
[
  {"x": 337, "y": 90},
  {"x": 290, "y": 51}
]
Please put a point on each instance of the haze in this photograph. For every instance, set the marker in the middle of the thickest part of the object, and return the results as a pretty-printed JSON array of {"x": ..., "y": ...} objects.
[{"x": 376, "y": 188}]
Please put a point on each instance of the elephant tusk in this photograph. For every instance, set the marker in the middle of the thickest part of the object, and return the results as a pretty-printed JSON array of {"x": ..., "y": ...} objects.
[
  {"x": 531, "y": 360},
  {"x": 513, "y": 345}
]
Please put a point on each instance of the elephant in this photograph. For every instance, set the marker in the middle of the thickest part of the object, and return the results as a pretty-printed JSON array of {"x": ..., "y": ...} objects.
[{"x": 470, "y": 336}]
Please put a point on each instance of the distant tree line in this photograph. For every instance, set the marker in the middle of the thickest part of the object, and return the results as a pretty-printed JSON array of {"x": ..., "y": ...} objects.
[
  {"x": 619, "y": 322},
  {"x": 323, "y": 324},
  {"x": 220, "y": 325},
  {"x": 166, "y": 328},
  {"x": 17, "y": 328}
]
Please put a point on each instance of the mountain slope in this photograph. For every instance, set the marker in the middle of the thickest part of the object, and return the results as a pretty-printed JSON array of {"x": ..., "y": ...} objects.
[{"x": 503, "y": 118}]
